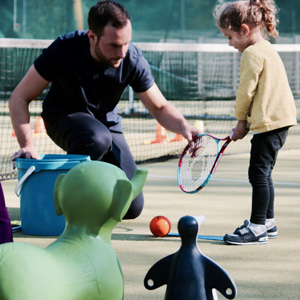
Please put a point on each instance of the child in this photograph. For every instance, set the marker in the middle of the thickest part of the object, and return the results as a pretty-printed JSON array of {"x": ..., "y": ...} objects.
[{"x": 264, "y": 104}]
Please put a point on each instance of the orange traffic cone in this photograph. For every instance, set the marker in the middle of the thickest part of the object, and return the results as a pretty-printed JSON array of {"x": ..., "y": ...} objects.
[
  {"x": 177, "y": 138},
  {"x": 39, "y": 127},
  {"x": 160, "y": 136}
]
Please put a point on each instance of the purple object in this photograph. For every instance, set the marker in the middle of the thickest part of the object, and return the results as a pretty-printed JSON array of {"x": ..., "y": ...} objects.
[{"x": 5, "y": 225}]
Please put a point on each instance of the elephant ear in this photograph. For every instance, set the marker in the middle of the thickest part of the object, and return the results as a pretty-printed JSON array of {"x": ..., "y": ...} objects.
[
  {"x": 57, "y": 207},
  {"x": 122, "y": 198},
  {"x": 125, "y": 192},
  {"x": 138, "y": 181}
]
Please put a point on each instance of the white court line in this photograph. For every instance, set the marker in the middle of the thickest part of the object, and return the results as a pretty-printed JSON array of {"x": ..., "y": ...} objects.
[{"x": 230, "y": 180}]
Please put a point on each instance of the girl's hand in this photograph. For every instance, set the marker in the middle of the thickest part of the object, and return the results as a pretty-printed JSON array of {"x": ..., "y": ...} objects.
[{"x": 240, "y": 131}]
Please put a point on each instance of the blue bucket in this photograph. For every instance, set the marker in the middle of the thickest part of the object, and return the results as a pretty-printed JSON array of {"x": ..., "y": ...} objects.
[{"x": 35, "y": 187}]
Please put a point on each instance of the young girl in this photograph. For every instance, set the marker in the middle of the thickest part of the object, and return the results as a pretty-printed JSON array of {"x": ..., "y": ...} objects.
[{"x": 264, "y": 104}]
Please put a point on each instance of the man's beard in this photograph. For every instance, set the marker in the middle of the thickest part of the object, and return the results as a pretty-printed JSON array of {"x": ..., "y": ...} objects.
[{"x": 103, "y": 60}]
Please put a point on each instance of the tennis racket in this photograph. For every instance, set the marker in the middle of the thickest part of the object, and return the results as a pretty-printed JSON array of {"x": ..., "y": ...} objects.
[{"x": 196, "y": 166}]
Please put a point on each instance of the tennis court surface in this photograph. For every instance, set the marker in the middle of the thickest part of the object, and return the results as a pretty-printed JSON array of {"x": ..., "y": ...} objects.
[{"x": 270, "y": 271}]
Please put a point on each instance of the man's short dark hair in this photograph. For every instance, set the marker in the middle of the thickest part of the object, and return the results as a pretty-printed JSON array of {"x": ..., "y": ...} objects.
[{"x": 107, "y": 12}]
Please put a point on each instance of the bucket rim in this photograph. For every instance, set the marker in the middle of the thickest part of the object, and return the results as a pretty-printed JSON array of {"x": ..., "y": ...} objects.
[{"x": 53, "y": 158}]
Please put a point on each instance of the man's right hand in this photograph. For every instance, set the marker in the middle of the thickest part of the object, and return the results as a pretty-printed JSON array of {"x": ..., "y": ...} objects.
[{"x": 26, "y": 153}]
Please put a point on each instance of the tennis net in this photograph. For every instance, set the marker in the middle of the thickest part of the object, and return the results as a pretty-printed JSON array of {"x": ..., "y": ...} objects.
[{"x": 201, "y": 80}]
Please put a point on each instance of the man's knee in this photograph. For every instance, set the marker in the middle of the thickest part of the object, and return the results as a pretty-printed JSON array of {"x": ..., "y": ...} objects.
[
  {"x": 95, "y": 145},
  {"x": 136, "y": 207}
]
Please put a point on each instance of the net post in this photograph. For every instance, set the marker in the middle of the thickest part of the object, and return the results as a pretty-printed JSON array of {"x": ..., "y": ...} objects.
[{"x": 131, "y": 99}]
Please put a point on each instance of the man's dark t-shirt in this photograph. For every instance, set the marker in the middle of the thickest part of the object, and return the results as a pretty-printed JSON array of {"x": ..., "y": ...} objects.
[{"x": 79, "y": 84}]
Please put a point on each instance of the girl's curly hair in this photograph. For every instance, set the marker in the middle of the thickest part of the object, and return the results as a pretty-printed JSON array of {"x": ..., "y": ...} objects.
[{"x": 231, "y": 15}]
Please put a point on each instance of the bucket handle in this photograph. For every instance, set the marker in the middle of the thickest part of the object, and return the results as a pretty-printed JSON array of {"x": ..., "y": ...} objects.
[{"x": 24, "y": 177}]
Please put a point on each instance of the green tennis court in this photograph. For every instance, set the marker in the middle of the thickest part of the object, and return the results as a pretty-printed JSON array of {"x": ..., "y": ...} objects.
[{"x": 270, "y": 271}]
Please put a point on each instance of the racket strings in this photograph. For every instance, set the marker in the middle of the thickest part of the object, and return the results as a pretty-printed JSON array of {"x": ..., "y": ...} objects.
[{"x": 197, "y": 166}]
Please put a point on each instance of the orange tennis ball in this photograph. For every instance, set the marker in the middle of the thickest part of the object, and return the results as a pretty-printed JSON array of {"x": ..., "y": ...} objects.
[{"x": 160, "y": 226}]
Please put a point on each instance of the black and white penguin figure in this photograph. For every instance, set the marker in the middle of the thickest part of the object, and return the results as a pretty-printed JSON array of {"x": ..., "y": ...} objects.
[{"x": 188, "y": 274}]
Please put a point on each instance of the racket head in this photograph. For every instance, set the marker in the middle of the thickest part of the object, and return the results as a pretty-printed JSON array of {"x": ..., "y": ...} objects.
[{"x": 195, "y": 166}]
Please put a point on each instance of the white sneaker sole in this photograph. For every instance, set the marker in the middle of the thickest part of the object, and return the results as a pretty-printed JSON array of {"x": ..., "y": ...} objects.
[
  {"x": 261, "y": 241},
  {"x": 272, "y": 235}
]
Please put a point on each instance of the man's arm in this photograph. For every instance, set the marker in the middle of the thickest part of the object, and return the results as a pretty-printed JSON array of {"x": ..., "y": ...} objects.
[
  {"x": 30, "y": 87},
  {"x": 167, "y": 114}
]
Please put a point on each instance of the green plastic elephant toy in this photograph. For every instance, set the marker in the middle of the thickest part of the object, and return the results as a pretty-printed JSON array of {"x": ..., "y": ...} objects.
[{"x": 81, "y": 264}]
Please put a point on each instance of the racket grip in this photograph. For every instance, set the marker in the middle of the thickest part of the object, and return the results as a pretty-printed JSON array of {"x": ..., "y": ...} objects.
[{"x": 230, "y": 136}]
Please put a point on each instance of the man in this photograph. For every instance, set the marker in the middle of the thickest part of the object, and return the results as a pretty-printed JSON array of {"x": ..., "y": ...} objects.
[{"x": 89, "y": 72}]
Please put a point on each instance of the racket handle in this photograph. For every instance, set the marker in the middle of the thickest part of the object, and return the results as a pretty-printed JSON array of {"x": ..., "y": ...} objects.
[{"x": 230, "y": 136}]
